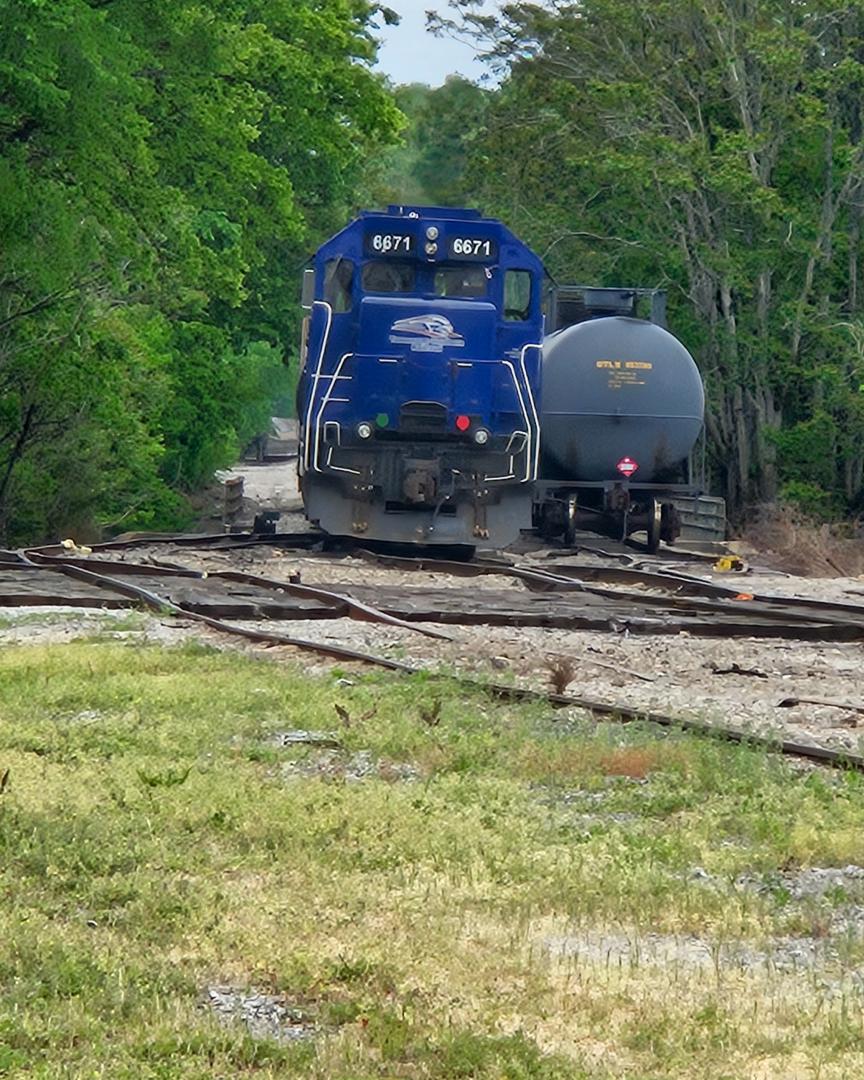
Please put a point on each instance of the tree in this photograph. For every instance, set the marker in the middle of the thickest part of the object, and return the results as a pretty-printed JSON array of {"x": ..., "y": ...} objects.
[
  {"x": 448, "y": 122},
  {"x": 164, "y": 169},
  {"x": 429, "y": 167},
  {"x": 714, "y": 147}
]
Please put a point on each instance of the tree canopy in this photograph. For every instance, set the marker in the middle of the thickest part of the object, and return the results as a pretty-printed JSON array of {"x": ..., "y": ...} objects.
[
  {"x": 713, "y": 147},
  {"x": 164, "y": 170}
]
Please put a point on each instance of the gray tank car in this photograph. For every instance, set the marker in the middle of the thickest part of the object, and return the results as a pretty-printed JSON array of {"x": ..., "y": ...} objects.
[{"x": 622, "y": 409}]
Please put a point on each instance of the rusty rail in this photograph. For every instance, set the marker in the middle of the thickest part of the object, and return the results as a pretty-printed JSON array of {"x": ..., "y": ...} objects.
[
  {"x": 163, "y": 604},
  {"x": 352, "y": 608},
  {"x": 787, "y": 616},
  {"x": 614, "y": 711}
]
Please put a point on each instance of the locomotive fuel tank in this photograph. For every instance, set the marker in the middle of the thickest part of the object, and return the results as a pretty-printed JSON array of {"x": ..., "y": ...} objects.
[{"x": 615, "y": 389}]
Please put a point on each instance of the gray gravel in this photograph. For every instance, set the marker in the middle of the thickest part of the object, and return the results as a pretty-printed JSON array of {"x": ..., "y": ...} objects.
[
  {"x": 265, "y": 1016},
  {"x": 790, "y": 955},
  {"x": 352, "y": 768},
  {"x": 813, "y": 883}
]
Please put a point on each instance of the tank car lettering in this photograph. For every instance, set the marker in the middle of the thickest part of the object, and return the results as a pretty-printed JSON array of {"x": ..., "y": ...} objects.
[
  {"x": 624, "y": 378},
  {"x": 638, "y": 365}
]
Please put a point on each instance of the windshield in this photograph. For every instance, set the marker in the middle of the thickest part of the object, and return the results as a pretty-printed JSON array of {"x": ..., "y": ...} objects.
[
  {"x": 463, "y": 281},
  {"x": 388, "y": 277}
]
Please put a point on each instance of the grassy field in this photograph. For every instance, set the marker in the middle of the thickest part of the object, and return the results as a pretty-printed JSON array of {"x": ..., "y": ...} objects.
[{"x": 463, "y": 889}]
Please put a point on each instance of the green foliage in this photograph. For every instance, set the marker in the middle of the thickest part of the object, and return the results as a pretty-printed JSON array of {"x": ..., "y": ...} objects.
[
  {"x": 715, "y": 150},
  {"x": 430, "y": 165},
  {"x": 811, "y": 499},
  {"x": 450, "y": 119},
  {"x": 164, "y": 168}
]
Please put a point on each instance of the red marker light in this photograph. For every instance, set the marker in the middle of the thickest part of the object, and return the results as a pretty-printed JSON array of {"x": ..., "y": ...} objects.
[
  {"x": 463, "y": 423},
  {"x": 627, "y": 466}
]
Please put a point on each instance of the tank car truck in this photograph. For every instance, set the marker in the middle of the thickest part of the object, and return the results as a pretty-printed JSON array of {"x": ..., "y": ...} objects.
[
  {"x": 420, "y": 380},
  {"x": 622, "y": 408}
]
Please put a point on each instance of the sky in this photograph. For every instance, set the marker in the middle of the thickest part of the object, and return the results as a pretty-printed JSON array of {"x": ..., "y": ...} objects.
[{"x": 408, "y": 54}]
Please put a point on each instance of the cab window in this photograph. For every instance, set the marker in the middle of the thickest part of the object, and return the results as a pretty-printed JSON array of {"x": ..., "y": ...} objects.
[
  {"x": 517, "y": 295},
  {"x": 338, "y": 284},
  {"x": 461, "y": 281},
  {"x": 388, "y": 277}
]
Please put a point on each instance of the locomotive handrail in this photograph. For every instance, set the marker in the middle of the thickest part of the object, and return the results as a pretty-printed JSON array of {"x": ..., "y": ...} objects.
[{"x": 317, "y": 375}]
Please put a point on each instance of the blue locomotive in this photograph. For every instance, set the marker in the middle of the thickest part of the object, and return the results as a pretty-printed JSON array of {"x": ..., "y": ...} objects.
[{"x": 420, "y": 380}]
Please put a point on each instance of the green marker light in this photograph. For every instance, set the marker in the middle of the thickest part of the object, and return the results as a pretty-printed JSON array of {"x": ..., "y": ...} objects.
[{"x": 382, "y": 419}]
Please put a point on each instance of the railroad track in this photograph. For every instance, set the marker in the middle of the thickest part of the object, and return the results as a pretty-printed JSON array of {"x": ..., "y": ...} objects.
[
  {"x": 634, "y": 598},
  {"x": 611, "y": 598}
]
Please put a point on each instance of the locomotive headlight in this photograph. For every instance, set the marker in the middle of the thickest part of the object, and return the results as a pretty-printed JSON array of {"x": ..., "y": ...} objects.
[
  {"x": 364, "y": 430},
  {"x": 432, "y": 233},
  {"x": 431, "y": 249},
  {"x": 481, "y": 436}
]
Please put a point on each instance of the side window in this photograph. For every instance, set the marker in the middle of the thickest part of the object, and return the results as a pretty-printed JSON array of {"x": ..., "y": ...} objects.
[
  {"x": 517, "y": 295},
  {"x": 338, "y": 282},
  {"x": 388, "y": 277}
]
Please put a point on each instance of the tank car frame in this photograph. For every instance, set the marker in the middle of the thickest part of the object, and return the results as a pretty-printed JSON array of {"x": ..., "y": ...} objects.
[{"x": 612, "y": 508}]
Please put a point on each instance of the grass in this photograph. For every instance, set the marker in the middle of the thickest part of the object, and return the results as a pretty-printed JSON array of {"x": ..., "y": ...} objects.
[
  {"x": 115, "y": 620},
  {"x": 535, "y": 898}
]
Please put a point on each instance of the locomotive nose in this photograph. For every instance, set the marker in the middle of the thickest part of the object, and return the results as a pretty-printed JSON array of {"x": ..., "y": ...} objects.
[
  {"x": 427, "y": 327},
  {"x": 425, "y": 360}
]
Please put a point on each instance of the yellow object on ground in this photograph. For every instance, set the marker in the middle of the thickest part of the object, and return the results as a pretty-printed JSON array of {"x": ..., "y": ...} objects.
[
  {"x": 70, "y": 545},
  {"x": 727, "y": 563}
]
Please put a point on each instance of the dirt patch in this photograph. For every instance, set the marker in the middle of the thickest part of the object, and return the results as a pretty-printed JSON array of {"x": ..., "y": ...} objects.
[{"x": 787, "y": 540}]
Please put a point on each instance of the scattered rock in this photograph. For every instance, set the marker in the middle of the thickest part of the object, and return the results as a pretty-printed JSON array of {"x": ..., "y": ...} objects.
[
  {"x": 362, "y": 765},
  {"x": 619, "y": 949},
  {"x": 307, "y": 738},
  {"x": 611, "y": 818},
  {"x": 265, "y": 1015},
  {"x": 812, "y": 883}
]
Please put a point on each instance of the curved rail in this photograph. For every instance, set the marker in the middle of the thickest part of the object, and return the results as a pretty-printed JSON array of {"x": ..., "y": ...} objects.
[{"x": 834, "y": 617}]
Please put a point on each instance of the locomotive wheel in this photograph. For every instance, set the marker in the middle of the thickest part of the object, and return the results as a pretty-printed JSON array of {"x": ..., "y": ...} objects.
[
  {"x": 570, "y": 523},
  {"x": 655, "y": 518}
]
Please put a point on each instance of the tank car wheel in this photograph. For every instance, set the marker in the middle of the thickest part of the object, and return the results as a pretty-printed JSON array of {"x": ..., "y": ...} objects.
[
  {"x": 655, "y": 520},
  {"x": 570, "y": 523}
]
